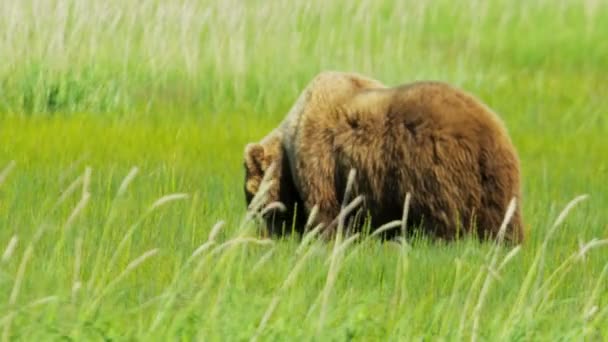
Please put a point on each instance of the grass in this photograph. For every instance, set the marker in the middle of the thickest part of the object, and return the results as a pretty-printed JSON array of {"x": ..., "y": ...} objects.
[{"x": 175, "y": 89}]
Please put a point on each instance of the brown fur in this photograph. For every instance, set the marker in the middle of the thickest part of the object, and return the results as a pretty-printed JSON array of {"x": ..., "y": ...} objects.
[{"x": 438, "y": 143}]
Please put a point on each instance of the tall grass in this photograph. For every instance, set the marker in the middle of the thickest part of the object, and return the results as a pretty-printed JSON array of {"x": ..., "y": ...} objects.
[
  {"x": 209, "y": 293},
  {"x": 126, "y": 122}
]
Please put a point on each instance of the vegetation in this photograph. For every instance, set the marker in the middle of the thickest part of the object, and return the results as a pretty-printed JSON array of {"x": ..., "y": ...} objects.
[{"x": 126, "y": 121}]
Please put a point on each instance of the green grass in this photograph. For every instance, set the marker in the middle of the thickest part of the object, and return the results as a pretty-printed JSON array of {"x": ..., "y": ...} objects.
[{"x": 89, "y": 90}]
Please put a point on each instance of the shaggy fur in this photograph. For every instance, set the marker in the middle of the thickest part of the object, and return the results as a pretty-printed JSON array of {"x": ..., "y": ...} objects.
[{"x": 438, "y": 143}]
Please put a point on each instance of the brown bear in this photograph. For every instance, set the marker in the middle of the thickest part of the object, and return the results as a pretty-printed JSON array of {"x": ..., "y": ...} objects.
[{"x": 429, "y": 139}]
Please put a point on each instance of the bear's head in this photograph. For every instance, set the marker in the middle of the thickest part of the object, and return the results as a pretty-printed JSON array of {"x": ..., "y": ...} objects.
[
  {"x": 256, "y": 163},
  {"x": 267, "y": 170}
]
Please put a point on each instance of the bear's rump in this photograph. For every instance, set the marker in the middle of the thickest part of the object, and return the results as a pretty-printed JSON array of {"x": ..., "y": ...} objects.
[{"x": 441, "y": 175}]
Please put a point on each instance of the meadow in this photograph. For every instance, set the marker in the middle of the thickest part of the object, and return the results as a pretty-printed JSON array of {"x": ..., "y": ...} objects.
[{"x": 122, "y": 128}]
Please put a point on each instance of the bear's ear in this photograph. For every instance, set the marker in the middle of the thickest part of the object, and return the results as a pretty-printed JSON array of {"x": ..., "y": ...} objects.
[{"x": 254, "y": 158}]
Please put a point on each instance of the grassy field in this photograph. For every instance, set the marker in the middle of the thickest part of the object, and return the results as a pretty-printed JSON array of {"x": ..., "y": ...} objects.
[{"x": 122, "y": 126}]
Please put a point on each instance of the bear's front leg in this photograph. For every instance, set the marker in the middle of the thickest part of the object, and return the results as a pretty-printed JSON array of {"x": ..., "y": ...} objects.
[{"x": 315, "y": 171}]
